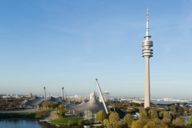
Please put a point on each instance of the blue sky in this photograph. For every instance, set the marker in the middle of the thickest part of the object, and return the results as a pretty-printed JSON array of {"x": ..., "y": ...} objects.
[{"x": 71, "y": 42}]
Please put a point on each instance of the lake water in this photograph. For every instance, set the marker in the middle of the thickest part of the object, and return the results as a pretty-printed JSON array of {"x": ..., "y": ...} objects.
[{"x": 19, "y": 123}]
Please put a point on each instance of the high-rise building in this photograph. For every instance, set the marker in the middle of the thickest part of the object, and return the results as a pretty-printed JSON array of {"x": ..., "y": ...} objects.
[{"x": 147, "y": 54}]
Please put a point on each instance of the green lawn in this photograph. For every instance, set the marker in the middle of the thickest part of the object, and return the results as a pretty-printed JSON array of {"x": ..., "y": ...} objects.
[{"x": 67, "y": 121}]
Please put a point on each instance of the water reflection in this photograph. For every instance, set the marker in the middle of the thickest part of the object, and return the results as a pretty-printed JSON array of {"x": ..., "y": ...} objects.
[{"x": 19, "y": 123}]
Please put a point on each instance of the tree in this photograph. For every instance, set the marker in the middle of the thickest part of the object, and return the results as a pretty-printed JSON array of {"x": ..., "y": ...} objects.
[
  {"x": 42, "y": 113},
  {"x": 190, "y": 111},
  {"x": 190, "y": 121},
  {"x": 128, "y": 120},
  {"x": 46, "y": 104},
  {"x": 179, "y": 122},
  {"x": 100, "y": 116},
  {"x": 155, "y": 123},
  {"x": 153, "y": 113},
  {"x": 166, "y": 117},
  {"x": 180, "y": 111},
  {"x": 138, "y": 124},
  {"x": 106, "y": 123},
  {"x": 143, "y": 113},
  {"x": 113, "y": 117},
  {"x": 114, "y": 120},
  {"x": 117, "y": 124},
  {"x": 150, "y": 124},
  {"x": 61, "y": 110}
]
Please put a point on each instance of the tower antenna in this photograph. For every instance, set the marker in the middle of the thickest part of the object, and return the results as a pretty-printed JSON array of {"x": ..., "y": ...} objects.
[{"x": 147, "y": 23}]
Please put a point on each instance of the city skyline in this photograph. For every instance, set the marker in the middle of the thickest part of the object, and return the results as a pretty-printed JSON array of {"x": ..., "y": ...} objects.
[{"x": 69, "y": 44}]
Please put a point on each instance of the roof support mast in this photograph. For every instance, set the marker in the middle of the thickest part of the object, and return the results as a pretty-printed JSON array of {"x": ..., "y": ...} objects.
[{"x": 102, "y": 98}]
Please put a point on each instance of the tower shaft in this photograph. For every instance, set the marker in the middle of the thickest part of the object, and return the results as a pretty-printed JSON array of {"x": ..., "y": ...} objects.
[{"x": 147, "y": 96}]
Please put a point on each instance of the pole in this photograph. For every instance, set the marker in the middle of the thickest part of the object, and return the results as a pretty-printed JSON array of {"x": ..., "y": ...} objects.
[
  {"x": 45, "y": 92},
  {"x": 63, "y": 93}
]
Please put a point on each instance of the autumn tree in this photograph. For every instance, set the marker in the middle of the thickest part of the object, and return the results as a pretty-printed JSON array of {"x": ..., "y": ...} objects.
[
  {"x": 106, "y": 123},
  {"x": 179, "y": 122},
  {"x": 166, "y": 117},
  {"x": 150, "y": 124},
  {"x": 153, "y": 113},
  {"x": 46, "y": 105},
  {"x": 143, "y": 113},
  {"x": 113, "y": 117},
  {"x": 138, "y": 124},
  {"x": 114, "y": 120},
  {"x": 128, "y": 120},
  {"x": 155, "y": 123},
  {"x": 100, "y": 116},
  {"x": 61, "y": 110}
]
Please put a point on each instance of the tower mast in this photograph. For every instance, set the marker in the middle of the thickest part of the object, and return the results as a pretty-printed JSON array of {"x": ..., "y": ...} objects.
[{"x": 147, "y": 54}]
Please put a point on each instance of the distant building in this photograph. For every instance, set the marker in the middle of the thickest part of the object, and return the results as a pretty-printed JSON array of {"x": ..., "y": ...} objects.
[
  {"x": 34, "y": 102},
  {"x": 90, "y": 108},
  {"x": 55, "y": 100}
]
